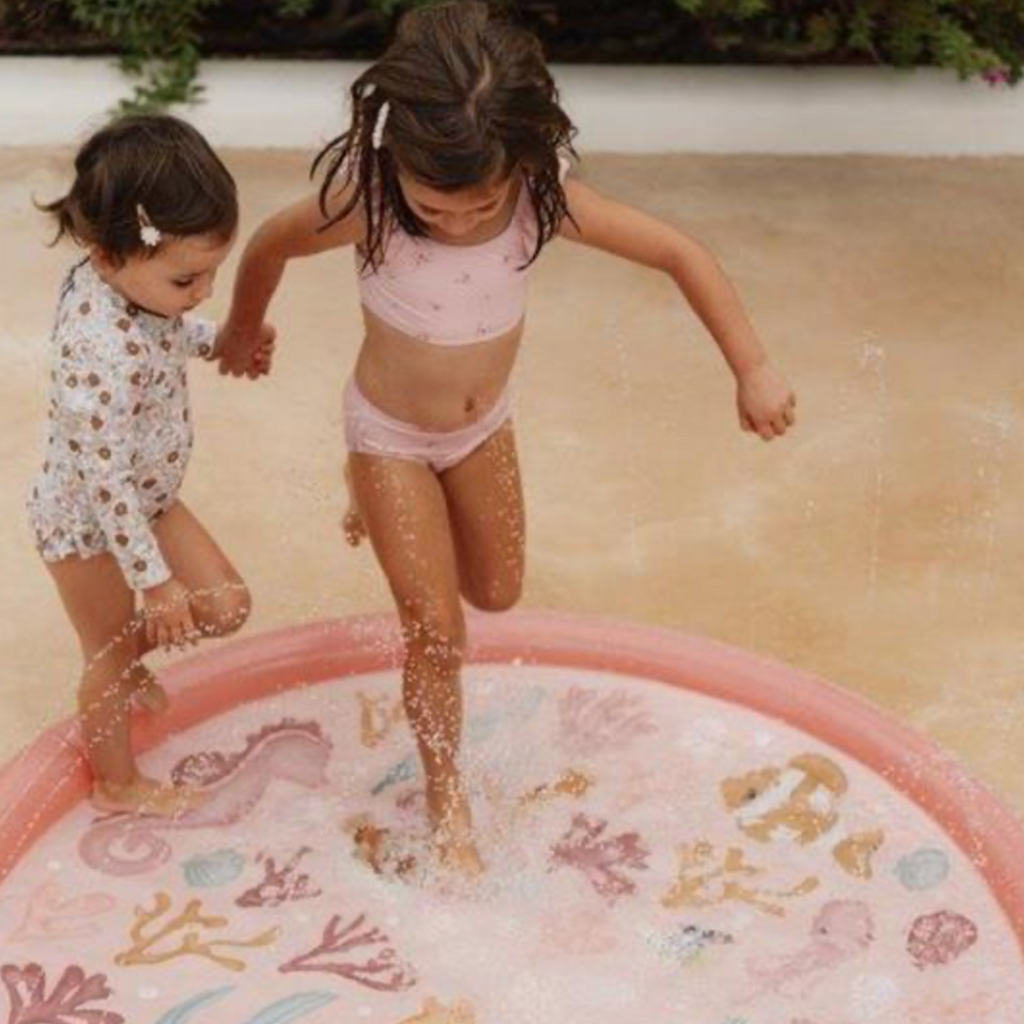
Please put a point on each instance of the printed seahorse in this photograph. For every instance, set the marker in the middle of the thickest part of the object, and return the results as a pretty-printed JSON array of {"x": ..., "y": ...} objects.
[
  {"x": 297, "y": 752},
  {"x": 519, "y": 709}
]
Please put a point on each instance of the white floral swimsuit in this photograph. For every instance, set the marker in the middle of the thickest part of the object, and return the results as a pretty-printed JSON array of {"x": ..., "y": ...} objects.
[{"x": 120, "y": 433}]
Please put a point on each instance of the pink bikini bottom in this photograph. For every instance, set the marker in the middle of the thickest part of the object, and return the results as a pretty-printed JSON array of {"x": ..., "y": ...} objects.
[{"x": 373, "y": 432}]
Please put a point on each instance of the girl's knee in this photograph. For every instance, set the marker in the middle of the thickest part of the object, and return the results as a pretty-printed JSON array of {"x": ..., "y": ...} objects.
[
  {"x": 437, "y": 638},
  {"x": 496, "y": 596},
  {"x": 496, "y": 591},
  {"x": 224, "y": 612}
]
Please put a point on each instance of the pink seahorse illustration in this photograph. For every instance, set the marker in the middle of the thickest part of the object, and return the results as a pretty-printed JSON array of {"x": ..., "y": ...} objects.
[
  {"x": 297, "y": 752},
  {"x": 842, "y": 930}
]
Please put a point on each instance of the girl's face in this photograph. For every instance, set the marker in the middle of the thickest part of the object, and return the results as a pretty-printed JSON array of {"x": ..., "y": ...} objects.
[
  {"x": 175, "y": 279},
  {"x": 456, "y": 214}
]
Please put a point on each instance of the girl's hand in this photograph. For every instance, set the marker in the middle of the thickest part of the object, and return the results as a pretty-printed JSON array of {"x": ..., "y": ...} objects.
[
  {"x": 765, "y": 402},
  {"x": 236, "y": 349},
  {"x": 263, "y": 358},
  {"x": 168, "y": 615}
]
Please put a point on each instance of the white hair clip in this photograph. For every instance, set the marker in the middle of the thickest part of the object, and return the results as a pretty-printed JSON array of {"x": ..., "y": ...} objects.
[
  {"x": 148, "y": 231},
  {"x": 382, "y": 120}
]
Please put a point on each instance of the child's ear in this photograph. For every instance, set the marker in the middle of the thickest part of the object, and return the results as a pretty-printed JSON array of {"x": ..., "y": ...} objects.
[{"x": 105, "y": 260}]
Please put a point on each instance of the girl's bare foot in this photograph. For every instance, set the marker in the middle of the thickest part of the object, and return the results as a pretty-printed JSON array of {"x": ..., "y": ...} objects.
[
  {"x": 146, "y": 691},
  {"x": 352, "y": 522},
  {"x": 452, "y": 823},
  {"x": 146, "y": 796}
]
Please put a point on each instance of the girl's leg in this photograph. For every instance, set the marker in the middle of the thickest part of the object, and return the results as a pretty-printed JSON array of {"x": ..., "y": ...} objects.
[
  {"x": 352, "y": 522},
  {"x": 485, "y": 505},
  {"x": 102, "y": 610},
  {"x": 405, "y": 512},
  {"x": 220, "y": 600}
]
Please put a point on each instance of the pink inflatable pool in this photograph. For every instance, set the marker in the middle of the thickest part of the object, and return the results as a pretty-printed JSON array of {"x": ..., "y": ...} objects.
[{"x": 674, "y": 831}]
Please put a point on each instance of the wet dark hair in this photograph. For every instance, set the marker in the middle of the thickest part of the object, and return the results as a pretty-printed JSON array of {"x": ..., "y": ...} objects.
[
  {"x": 154, "y": 161},
  {"x": 470, "y": 100}
]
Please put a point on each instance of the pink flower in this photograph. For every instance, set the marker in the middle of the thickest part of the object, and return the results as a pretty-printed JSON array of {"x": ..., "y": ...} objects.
[{"x": 996, "y": 76}]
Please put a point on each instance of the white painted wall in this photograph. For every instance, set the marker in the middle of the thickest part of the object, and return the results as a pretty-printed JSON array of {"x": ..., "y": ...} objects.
[{"x": 639, "y": 110}]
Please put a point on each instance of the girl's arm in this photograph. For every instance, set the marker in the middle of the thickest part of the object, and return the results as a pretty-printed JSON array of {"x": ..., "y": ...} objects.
[
  {"x": 199, "y": 336},
  {"x": 765, "y": 402},
  {"x": 293, "y": 232}
]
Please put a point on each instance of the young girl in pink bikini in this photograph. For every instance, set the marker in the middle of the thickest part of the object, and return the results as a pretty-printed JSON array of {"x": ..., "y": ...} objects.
[{"x": 448, "y": 184}]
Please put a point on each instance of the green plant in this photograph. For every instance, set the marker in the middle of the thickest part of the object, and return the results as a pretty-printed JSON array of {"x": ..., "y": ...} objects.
[
  {"x": 972, "y": 37},
  {"x": 160, "y": 42}
]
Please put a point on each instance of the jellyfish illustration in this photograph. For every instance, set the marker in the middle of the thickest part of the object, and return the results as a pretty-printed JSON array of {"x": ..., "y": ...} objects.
[{"x": 842, "y": 931}]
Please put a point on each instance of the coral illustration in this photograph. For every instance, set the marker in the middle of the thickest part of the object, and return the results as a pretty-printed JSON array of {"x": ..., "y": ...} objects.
[
  {"x": 589, "y": 720},
  {"x": 280, "y": 884},
  {"x": 570, "y": 783},
  {"x": 707, "y": 879},
  {"x": 190, "y": 923},
  {"x": 603, "y": 861},
  {"x": 357, "y": 952},
  {"x": 26, "y": 988}
]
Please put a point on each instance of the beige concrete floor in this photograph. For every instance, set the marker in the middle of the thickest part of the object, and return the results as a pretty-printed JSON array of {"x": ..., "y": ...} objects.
[{"x": 879, "y": 546}]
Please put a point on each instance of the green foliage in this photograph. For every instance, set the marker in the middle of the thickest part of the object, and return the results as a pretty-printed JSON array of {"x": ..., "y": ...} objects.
[
  {"x": 159, "y": 44},
  {"x": 160, "y": 41},
  {"x": 295, "y": 8},
  {"x": 971, "y": 37}
]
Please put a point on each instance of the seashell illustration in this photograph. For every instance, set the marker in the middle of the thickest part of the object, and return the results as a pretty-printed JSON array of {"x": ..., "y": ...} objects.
[
  {"x": 208, "y": 870},
  {"x": 923, "y": 869}
]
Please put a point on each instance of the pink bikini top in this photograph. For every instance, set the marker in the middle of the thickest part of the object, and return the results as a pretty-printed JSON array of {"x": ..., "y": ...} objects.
[{"x": 454, "y": 294}]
